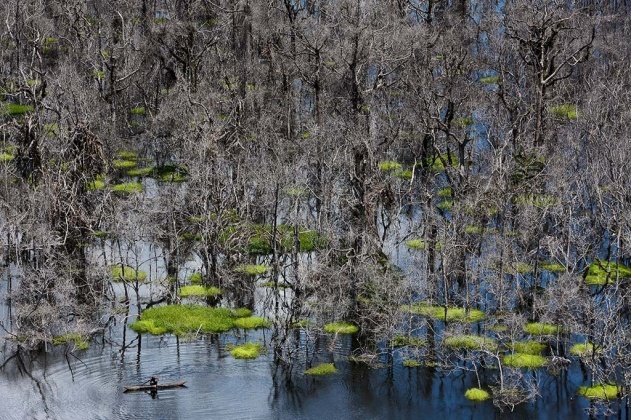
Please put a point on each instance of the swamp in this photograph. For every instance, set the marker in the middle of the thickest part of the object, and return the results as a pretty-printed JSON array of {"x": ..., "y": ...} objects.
[{"x": 315, "y": 209}]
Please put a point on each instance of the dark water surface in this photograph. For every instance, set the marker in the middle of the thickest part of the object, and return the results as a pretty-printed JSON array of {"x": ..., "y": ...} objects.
[{"x": 90, "y": 386}]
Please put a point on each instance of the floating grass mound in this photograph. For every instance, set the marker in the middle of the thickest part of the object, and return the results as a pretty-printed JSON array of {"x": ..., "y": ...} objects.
[
  {"x": 341, "y": 328},
  {"x": 182, "y": 319},
  {"x": 477, "y": 395},
  {"x": 536, "y": 328},
  {"x": 195, "y": 278},
  {"x": 251, "y": 322},
  {"x": 77, "y": 340},
  {"x": 525, "y": 361},
  {"x": 253, "y": 269},
  {"x": 322, "y": 370},
  {"x": 600, "y": 392},
  {"x": 97, "y": 184},
  {"x": 438, "y": 312},
  {"x": 529, "y": 347},
  {"x": 405, "y": 340},
  {"x": 489, "y": 80},
  {"x": 247, "y": 351},
  {"x": 242, "y": 312},
  {"x": 126, "y": 273},
  {"x": 600, "y": 273},
  {"x": 583, "y": 349},
  {"x": 127, "y": 188},
  {"x": 389, "y": 165},
  {"x": 199, "y": 291},
  {"x": 552, "y": 267},
  {"x": 420, "y": 245},
  {"x": 569, "y": 111},
  {"x": 470, "y": 342},
  {"x": 437, "y": 163},
  {"x": 411, "y": 363},
  {"x": 15, "y": 110},
  {"x": 260, "y": 238}
]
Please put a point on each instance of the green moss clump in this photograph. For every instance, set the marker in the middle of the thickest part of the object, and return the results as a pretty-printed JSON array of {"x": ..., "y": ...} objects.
[
  {"x": 536, "y": 200},
  {"x": 140, "y": 172},
  {"x": 600, "y": 391},
  {"x": 552, "y": 267},
  {"x": 127, "y": 187},
  {"x": 78, "y": 340},
  {"x": 322, "y": 370},
  {"x": 51, "y": 130},
  {"x": 411, "y": 363},
  {"x": 16, "y": 110},
  {"x": 123, "y": 164},
  {"x": 600, "y": 273},
  {"x": 569, "y": 111},
  {"x": 271, "y": 285},
  {"x": 526, "y": 361},
  {"x": 127, "y": 155},
  {"x": 126, "y": 273},
  {"x": 241, "y": 312},
  {"x": 253, "y": 269},
  {"x": 139, "y": 110},
  {"x": 97, "y": 184},
  {"x": 199, "y": 291},
  {"x": 477, "y": 395},
  {"x": 536, "y": 328},
  {"x": 529, "y": 347},
  {"x": 101, "y": 234},
  {"x": 406, "y": 340},
  {"x": 182, "y": 319},
  {"x": 446, "y": 205},
  {"x": 195, "y": 278},
  {"x": 6, "y": 157},
  {"x": 389, "y": 165},
  {"x": 444, "y": 192},
  {"x": 247, "y": 351},
  {"x": 341, "y": 328},
  {"x": 403, "y": 174},
  {"x": 519, "y": 267},
  {"x": 436, "y": 163},
  {"x": 489, "y": 80},
  {"x": 438, "y": 312},
  {"x": 473, "y": 230},
  {"x": 251, "y": 322},
  {"x": 464, "y": 121},
  {"x": 470, "y": 342},
  {"x": 583, "y": 349},
  {"x": 420, "y": 244}
]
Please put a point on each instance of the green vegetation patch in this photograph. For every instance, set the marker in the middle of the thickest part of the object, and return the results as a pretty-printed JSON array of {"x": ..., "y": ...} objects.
[
  {"x": 411, "y": 363},
  {"x": 437, "y": 163},
  {"x": 126, "y": 273},
  {"x": 271, "y": 285},
  {"x": 51, "y": 130},
  {"x": 182, "y": 319},
  {"x": 6, "y": 157},
  {"x": 536, "y": 200},
  {"x": 601, "y": 273},
  {"x": 473, "y": 230},
  {"x": 77, "y": 340},
  {"x": 489, "y": 80},
  {"x": 529, "y": 347},
  {"x": 403, "y": 174},
  {"x": 124, "y": 164},
  {"x": 552, "y": 267},
  {"x": 261, "y": 236},
  {"x": 420, "y": 244},
  {"x": 444, "y": 192},
  {"x": 477, "y": 395},
  {"x": 446, "y": 205},
  {"x": 251, "y": 323},
  {"x": 169, "y": 173},
  {"x": 600, "y": 391},
  {"x": 126, "y": 155},
  {"x": 518, "y": 267},
  {"x": 96, "y": 184},
  {"x": 15, "y": 110},
  {"x": 139, "y": 110},
  {"x": 583, "y": 349},
  {"x": 195, "y": 278},
  {"x": 464, "y": 121},
  {"x": 199, "y": 291},
  {"x": 322, "y": 370},
  {"x": 537, "y": 328},
  {"x": 253, "y": 269},
  {"x": 241, "y": 312},
  {"x": 526, "y": 361},
  {"x": 406, "y": 340},
  {"x": 569, "y": 111},
  {"x": 341, "y": 328},
  {"x": 470, "y": 342},
  {"x": 438, "y": 312},
  {"x": 389, "y": 165},
  {"x": 247, "y": 351},
  {"x": 140, "y": 172},
  {"x": 127, "y": 187}
]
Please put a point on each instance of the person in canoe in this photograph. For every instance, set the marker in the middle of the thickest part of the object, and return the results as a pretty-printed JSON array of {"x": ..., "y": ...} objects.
[{"x": 153, "y": 381}]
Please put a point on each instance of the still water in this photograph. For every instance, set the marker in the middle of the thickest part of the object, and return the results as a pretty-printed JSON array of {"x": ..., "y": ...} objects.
[{"x": 89, "y": 385}]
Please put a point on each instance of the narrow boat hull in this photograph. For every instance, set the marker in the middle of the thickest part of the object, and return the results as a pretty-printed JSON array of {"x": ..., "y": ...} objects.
[{"x": 154, "y": 388}]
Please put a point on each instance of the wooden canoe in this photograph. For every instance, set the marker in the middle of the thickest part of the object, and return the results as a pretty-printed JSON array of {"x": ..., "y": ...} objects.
[{"x": 154, "y": 388}]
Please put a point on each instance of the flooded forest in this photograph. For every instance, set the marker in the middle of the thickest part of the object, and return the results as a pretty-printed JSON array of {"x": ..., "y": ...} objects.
[{"x": 315, "y": 208}]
